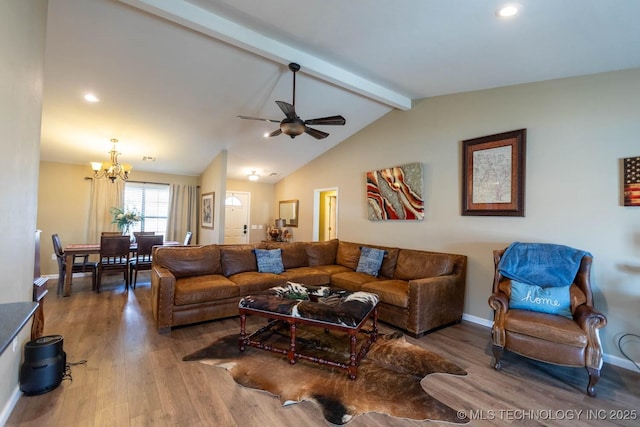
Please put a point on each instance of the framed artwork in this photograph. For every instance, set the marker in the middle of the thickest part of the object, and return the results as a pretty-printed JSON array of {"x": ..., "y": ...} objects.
[
  {"x": 395, "y": 193},
  {"x": 493, "y": 174},
  {"x": 207, "y": 209},
  {"x": 631, "y": 186}
]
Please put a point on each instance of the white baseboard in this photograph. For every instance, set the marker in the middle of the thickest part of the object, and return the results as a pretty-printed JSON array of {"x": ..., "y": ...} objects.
[
  {"x": 620, "y": 362},
  {"x": 612, "y": 360},
  {"x": 8, "y": 408},
  {"x": 477, "y": 320},
  {"x": 55, "y": 276}
]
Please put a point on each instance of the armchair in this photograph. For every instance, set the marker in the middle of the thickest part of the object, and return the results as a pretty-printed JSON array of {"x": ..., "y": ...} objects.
[{"x": 571, "y": 340}]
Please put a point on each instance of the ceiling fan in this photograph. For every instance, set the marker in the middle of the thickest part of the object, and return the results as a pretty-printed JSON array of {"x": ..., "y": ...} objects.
[{"x": 292, "y": 124}]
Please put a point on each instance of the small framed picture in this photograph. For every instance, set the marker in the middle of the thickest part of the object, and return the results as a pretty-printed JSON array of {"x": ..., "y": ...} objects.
[
  {"x": 493, "y": 172},
  {"x": 207, "y": 209},
  {"x": 631, "y": 187}
]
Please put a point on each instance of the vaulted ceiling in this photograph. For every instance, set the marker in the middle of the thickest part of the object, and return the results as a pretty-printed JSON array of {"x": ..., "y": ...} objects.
[{"x": 173, "y": 75}]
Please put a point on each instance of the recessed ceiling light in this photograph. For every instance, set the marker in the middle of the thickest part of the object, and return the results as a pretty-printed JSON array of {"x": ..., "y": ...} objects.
[
  {"x": 507, "y": 11},
  {"x": 90, "y": 97}
]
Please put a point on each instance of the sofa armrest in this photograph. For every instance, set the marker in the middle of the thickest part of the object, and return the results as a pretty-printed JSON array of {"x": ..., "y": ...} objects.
[
  {"x": 435, "y": 301},
  {"x": 590, "y": 320},
  {"x": 499, "y": 302},
  {"x": 163, "y": 285}
]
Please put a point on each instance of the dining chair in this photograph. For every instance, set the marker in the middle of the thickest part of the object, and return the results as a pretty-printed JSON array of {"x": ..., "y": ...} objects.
[
  {"x": 78, "y": 267},
  {"x": 111, "y": 233},
  {"x": 187, "y": 238},
  {"x": 142, "y": 259},
  {"x": 142, "y": 233},
  {"x": 114, "y": 257}
]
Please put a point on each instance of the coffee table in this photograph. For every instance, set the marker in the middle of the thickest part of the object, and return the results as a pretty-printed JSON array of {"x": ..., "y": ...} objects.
[{"x": 331, "y": 309}]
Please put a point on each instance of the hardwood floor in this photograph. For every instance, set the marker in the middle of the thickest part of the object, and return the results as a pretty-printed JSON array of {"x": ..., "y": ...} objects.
[{"x": 135, "y": 377}]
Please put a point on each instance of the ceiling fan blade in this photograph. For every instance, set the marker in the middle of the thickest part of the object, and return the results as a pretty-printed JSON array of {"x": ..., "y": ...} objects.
[
  {"x": 332, "y": 120},
  {"x": 287, "y": 109},
  {"x": 317, "y": 134},
  {"x": 258, "y": 118},
  {"x": 275, "y": 133}
]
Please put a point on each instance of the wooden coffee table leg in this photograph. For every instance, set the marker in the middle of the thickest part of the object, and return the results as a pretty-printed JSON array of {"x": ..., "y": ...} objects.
[
  {"x": 291, "y": 354},
  {"x": 242, "y": 340},
  {"x": 353, "y": 360},
  {"x": 374, "y": 334}
]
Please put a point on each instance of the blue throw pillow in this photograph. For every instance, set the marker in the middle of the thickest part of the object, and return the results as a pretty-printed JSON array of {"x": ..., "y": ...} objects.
[
  {"x": 552, "y": 300},
  {"x": 269, "y": 260},
  {"x": 370, "y": 260}
]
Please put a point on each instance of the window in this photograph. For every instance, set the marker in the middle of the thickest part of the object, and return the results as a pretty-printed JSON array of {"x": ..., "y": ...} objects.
[
  {"x": 232, "y": 201},
  {"x": 151, "y": 201}
]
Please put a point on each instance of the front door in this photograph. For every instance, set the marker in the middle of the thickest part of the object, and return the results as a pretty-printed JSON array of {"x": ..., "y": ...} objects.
[{"x": 236, "y": 225}]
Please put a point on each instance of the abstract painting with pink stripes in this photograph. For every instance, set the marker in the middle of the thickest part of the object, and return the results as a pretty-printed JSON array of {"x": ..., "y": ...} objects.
[{"x": 395, "y": 193}]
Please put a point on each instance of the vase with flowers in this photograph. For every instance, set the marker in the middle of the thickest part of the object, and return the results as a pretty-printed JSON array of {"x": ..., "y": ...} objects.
[{"x": 125, "y": 219}]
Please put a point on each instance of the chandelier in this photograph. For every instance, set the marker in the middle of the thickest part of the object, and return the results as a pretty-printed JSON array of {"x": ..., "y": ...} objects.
[{"x": 111, "y": 169}]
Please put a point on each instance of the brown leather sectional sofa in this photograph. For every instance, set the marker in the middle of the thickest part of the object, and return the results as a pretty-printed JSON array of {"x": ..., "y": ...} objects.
[{"x": 419, "y": 290}]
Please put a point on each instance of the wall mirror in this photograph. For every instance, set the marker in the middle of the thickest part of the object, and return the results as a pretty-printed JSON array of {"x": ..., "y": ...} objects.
[{"x": 289, "y": 212}]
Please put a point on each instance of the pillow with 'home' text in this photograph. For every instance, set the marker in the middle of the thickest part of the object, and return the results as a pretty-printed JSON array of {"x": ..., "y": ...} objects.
[
  {"x": 269, "y": 260},
  {"x": 370, "y": 261},
  {"x": 551, "y": 300}
]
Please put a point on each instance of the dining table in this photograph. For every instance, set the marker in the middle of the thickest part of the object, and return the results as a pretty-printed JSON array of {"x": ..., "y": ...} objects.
[{"x": 75, "y": 249}]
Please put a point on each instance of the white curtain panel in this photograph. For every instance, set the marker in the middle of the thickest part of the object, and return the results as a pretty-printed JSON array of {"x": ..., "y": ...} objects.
[
  {"x": 104, "y": 195},
  {"x": 183, "y": 212}
]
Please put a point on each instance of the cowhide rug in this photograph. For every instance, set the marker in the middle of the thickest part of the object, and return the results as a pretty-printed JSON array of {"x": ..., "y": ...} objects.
[{"x": 388, "y": 378}]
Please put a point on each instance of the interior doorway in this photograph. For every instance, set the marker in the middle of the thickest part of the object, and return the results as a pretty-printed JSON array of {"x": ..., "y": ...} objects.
[
  {"x": 236, "y": 219},
  {"x": 325, "y": 214}
]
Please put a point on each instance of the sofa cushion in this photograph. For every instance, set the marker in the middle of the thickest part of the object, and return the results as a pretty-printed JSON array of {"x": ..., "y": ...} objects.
[
  {"x": 251, "y": 282},
  {"x": 293, "y": 254},
  {"x": 191, "y": 261},
  {"x": 238, "y": 259},
  {"x": 310, "y": 276},
  {"x": 370, "y": 260},
  {"x": 269, "y": 260},
  {"x": 413, "y": 264},
  {"x": 332, "y": 269},
  {"x": 394, "y": 292},
  {"x": 322, "y": 253},
  {"x": 205, "y": 288},
  {"x": 549, "y": 328},
  {"x": 348, "y": 254},
  {"x": 351, "y": 280}
]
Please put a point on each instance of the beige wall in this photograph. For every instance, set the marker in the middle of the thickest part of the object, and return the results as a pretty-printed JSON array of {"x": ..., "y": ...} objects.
[
  {"x": 22, "y": 41},
  {"x": 63, "y": 203},
  {"x": 263, "y": 206},
  {"x": 578, "y": 130},
  {"x": 213, "y": 179}
]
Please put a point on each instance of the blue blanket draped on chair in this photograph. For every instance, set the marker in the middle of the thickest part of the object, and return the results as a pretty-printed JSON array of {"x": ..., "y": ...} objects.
[{"x": 541, "y": 264}]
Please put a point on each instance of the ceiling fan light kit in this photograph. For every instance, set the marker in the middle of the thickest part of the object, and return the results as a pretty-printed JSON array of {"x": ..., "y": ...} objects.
[{"x": 292, "y": 124}]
